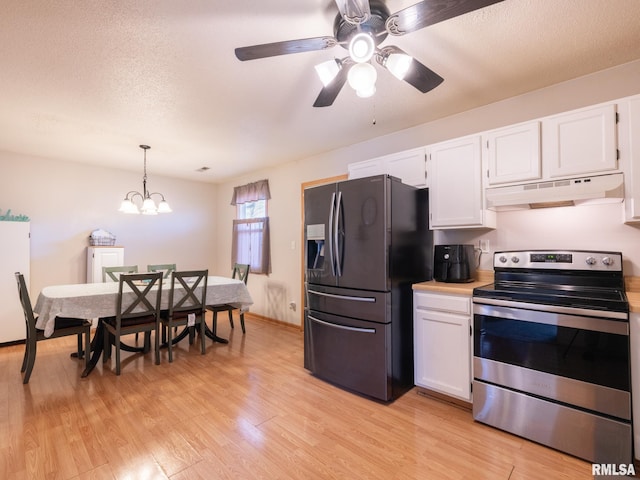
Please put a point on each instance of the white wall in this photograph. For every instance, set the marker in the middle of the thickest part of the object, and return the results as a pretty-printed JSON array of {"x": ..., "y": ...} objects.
[
  {"x": 66, "y": 201},
  {"x": 588, "y": 227}
]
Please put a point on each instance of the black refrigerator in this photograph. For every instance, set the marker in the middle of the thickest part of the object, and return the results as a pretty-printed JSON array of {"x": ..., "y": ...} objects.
[{"x": 366, "y": 242}]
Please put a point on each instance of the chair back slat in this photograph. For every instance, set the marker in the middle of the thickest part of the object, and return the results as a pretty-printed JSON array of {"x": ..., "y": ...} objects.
[
  {"x": 139, "y": 295},
  {"x": 111, "y": 274},
  {"x": 184, "y": 294},
  {"x": 241, "y": 271},
  {"x": 25, "y": 301},
  {"x": 165, "y": 268}
]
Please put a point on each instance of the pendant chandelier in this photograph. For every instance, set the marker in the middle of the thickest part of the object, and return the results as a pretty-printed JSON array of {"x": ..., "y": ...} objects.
[{"x": 147, "y": 205}]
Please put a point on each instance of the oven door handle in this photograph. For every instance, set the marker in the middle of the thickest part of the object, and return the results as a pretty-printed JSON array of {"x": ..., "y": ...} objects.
[
  {"x": 551, "y": 308},
  {"x": 554, "y": 319},
  {"x": 342, "y": 327}
]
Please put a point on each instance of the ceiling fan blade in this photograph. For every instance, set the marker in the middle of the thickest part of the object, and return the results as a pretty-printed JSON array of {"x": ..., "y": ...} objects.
[
  {"x": 429, "y": 12},
  {"x": 417, "y": 75},
  {"x": 284, "y": 48},
  {"x": 421, "y": 77},
  {"x": 329, "y": 93}
]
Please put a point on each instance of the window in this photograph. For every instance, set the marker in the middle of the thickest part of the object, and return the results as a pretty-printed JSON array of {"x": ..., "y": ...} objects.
[{"x": 250, "y": 244}]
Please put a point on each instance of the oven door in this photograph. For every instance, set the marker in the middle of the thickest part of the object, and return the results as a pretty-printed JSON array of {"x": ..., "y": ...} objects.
[{"x": 573, "y": 359}]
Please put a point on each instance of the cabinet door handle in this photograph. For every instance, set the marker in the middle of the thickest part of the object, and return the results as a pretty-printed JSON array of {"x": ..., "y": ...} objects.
[{"x": 343, "y": 327}]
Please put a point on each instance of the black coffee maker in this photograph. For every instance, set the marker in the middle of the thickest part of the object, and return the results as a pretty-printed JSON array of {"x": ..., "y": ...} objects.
[{"x": 454, "y": 263}]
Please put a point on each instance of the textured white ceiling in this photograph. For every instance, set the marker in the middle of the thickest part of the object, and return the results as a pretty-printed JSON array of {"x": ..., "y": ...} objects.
[{"x": 89, "y": 81}]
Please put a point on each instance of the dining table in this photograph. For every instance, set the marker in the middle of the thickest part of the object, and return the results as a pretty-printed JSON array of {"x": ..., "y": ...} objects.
[{"x": 98, "y": 300}]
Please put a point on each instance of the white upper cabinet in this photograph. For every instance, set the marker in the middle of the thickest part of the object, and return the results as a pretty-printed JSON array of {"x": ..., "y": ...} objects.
[
  {"x": 514, "y": 153},
  {"x": 456, "y": 194},
  {"x": 366, "y": 168},
  {"x": 629, "y": 109},
  {"x": 408, "y": 166},
  {"x": 580, "y": 142}
]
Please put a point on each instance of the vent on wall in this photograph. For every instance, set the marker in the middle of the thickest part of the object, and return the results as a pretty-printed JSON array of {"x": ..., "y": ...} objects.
[{"x": 574, "y": 191}]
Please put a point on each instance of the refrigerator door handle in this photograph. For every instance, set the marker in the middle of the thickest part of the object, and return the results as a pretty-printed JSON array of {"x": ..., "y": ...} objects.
[
  {"x": 343, "y": 297},
  {"x": 331, "y": 215},
  {"x": 336, "y": 235},
  {"x": 342, "y": 327}
]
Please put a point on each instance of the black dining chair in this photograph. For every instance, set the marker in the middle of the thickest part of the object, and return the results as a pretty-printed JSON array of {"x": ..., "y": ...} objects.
[
  {"x": 111, "y": 274},
  {"x": 63, "y": 327},
  {"x": 137, "y": 311},
  {"x": 241, "y": 272},
  {"x": 186, "y": 305}
]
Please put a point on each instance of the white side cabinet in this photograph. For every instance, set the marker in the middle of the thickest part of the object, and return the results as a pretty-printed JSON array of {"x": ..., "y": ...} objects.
[
  {"x": 456, "y": 196},
  {"x": 409, "y": 166},
  {"x": 98, "y": 257},
  {"x": 442, "y": 343},
  {"x": 514, "y": 153},
  {"x": 580, "y": 142},
  {"x": 14, "y": 257}
]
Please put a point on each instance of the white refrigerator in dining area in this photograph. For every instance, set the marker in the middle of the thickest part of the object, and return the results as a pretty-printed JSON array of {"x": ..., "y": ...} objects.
[{"x": 15, "y": 257}]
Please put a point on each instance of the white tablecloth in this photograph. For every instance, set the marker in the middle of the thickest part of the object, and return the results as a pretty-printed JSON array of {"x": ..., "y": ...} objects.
[{"x": 94, "y": 300}]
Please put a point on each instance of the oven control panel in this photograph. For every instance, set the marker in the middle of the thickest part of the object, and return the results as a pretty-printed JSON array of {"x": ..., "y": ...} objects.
[{"x": 558, "y": 260}]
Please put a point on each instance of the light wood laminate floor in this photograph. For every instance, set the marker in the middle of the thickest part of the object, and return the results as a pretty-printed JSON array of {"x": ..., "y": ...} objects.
[{"x": 244, "y": 410}]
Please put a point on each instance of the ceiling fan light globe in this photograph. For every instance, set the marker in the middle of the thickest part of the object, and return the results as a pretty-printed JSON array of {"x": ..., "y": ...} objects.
[
  {"x": 327, "y": 71},
  {"x": 398, "y": 64},
  {"x": 367, "y": 92},
  {"x": 362, "y": 47},
  {"x": 362, "y": 76}
]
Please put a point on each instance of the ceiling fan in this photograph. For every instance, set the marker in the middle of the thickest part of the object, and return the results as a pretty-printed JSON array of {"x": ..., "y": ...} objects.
[{"x": 360, "y": 27}]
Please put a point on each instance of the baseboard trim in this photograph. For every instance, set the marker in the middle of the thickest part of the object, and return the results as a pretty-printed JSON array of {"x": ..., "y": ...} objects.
[
  {"x": 255, "y": 316},
  {"x": 425, "y": 392}
]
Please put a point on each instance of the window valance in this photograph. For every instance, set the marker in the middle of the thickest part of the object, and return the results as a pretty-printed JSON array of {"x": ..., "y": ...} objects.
[{"x": 251, "y": 192}]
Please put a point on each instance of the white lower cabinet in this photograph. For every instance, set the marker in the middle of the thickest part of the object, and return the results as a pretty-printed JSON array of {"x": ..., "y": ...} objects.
[{"x": 442, "y": 343}]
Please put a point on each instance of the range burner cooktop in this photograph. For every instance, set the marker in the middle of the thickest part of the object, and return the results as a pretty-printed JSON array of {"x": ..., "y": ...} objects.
[{"x": 576, "y": 279}]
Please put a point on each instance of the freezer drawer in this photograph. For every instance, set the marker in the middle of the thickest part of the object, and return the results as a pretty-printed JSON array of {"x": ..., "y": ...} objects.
[
  {"x": 361, "y": 304},
  {"x": 354, "y": 354}
]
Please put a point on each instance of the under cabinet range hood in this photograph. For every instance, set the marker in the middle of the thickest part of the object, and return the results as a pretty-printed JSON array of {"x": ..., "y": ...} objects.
[{"x": 557, "y": 193}]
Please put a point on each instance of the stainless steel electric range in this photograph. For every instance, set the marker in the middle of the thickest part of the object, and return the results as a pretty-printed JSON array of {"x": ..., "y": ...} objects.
[{"x": 551, "y": 352}]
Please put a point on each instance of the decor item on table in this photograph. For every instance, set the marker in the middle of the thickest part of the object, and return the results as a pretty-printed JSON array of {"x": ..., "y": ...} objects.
[
  {"x": 360, "y": 27},
  {"x": 241, "y": 272},
  {"x": 102, "y": 238},
  {"x": 8, "y": 217},
  {"x": 63, "y": 327},
  {"x": 148, "y": 206}
]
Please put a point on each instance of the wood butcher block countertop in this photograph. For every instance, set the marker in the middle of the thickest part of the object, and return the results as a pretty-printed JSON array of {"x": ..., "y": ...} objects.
[
  {"x": 483, "y": 277},
  {"x": 632, "y": 284}
]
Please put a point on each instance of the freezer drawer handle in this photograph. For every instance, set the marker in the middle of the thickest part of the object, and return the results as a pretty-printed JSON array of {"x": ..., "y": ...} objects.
[
  {"x": 343, "y": 327},
  {"x": 344, "y": 297}
]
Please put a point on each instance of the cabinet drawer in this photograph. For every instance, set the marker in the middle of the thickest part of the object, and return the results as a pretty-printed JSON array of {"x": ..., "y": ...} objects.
[{"x": 439, "y": 301}]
